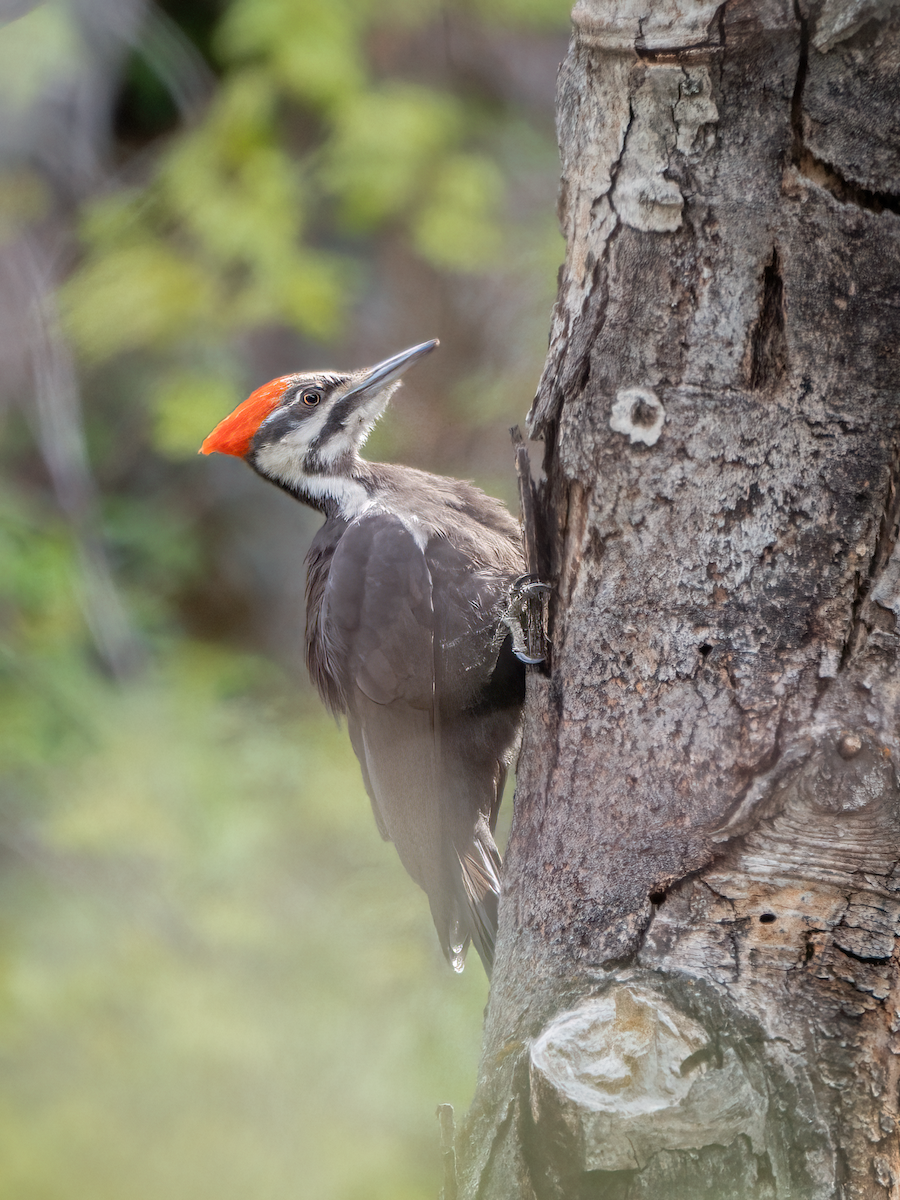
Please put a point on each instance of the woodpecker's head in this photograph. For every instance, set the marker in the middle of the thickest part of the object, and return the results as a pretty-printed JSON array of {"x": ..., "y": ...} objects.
[{"x": 304, "y": 432}]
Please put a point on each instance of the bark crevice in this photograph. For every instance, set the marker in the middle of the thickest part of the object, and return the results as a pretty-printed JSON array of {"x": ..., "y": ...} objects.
[
  {"x": 768, "y": 346},
  {"x": 827, "y": 176}
]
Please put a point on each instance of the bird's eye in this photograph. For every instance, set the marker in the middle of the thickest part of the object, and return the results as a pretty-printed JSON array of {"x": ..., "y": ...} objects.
[{"x": 311, "y": 399}]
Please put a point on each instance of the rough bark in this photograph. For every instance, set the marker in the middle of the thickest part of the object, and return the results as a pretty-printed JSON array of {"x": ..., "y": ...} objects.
[{"x": 696, "y": 985}]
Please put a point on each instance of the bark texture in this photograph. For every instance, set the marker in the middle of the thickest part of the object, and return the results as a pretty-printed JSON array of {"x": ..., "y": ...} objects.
[{"x": 696, "y": 990}]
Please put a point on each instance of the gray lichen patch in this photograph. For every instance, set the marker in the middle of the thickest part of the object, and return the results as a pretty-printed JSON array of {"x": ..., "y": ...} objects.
[
  {"x": 644, "y": 196},
  {"x": 638, "y": 413}
]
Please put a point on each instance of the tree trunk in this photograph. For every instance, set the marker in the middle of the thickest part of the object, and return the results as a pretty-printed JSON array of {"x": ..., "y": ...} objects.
[{"x": 696, "y": 985}]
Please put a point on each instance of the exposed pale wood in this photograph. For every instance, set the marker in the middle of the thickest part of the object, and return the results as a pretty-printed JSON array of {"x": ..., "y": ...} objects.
[{"x": 696, "y": 988}]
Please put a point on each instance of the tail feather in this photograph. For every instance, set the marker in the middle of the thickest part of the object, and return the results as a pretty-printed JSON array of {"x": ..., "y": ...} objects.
[{"x": 480, "y": 880}]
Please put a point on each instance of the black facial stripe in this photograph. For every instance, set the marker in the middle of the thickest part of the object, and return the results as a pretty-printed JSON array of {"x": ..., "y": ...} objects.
[
  {"x": 314, "y": 465},
  {"x": 282, "y": 421},
  {"x": 337, "y": 417}
]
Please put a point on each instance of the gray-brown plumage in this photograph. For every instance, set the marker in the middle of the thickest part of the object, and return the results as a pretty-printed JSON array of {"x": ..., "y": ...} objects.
[{"x": 408, "y": 587}]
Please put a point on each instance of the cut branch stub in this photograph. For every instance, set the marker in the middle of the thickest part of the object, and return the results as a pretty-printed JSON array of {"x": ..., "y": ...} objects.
[{"x": 626, "y": 1075}]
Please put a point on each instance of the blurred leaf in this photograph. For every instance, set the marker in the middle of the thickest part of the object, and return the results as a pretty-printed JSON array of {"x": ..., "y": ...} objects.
[
  {"x": 41, "y": 43},
  {"x": 309, "y": 293},
  {"x": 242, "y": 212},
  {"x": 187, "y": 406},
  {"x": 234, "y": 197},
  {"x": 229, "y": 184},
  {"x": 138, "y": 296},
  {"x": 115, "y": 220},
  {"x": 385, "y": 145},
  {"x": 312, "y": 48},
  {"x": 458, "y": 228}
]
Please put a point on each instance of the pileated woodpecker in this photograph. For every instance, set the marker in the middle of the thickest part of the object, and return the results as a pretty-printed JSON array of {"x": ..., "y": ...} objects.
[{"x": 410, "y": 602}]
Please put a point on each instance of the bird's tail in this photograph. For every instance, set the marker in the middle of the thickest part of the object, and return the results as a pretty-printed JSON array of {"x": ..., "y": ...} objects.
[{"x": 479, "y": 876}]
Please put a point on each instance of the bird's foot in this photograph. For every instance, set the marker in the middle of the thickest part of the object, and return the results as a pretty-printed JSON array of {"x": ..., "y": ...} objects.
[{"x": 524, "y": 618}]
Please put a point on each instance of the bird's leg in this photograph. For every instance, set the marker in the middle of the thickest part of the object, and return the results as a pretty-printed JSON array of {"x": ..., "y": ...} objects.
[{"x": 524, "y": 618}]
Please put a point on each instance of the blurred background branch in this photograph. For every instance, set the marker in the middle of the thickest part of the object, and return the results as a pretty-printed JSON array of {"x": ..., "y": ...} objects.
[{"x": 215, "y": 978}]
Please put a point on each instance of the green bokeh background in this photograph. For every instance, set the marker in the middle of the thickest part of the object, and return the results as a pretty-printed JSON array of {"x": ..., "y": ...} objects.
[{"x": 215, "y": 979}]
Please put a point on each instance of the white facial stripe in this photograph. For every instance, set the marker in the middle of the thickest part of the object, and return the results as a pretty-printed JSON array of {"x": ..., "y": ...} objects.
[
  {"x": 310, "y": 428},
  {"x": 338, "y": 445}
]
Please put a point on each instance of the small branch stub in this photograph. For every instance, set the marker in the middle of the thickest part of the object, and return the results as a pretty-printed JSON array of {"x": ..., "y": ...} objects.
[
  {"x": 849, "y": 745},
  {"x": 626, "y": 1075}
]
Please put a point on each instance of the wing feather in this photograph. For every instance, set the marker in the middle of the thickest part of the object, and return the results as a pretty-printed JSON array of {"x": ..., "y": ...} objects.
[{"x": 386, "y": 651}]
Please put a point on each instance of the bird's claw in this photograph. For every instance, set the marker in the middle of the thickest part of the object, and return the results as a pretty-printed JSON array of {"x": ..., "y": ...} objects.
[
  {"x": 524, "y": 618},
  {"x": 526, "y": 658},
  {"x": 528, "y": 587}
]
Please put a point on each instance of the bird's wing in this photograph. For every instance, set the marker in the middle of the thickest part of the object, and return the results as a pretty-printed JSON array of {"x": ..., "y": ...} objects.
[
  {"x": 377, "y": 620},
  {"x": 480, "y": 688},
  {"x": 377, "y": 626}
]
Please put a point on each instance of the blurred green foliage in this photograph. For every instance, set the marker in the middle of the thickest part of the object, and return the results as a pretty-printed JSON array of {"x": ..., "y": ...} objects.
[
  {"x": 214, "y": 978},
  {"x": 215, "y": 981},
  {"x": 238, "y": 229},
  {"x": 46, "y": 39}
]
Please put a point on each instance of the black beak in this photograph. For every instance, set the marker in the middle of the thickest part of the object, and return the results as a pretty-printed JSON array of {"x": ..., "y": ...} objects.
[{"x": 386, "y": 372}]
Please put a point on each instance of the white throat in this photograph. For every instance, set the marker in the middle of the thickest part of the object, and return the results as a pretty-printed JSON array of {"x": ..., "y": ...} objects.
[{"x": 282, "y": 462}]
